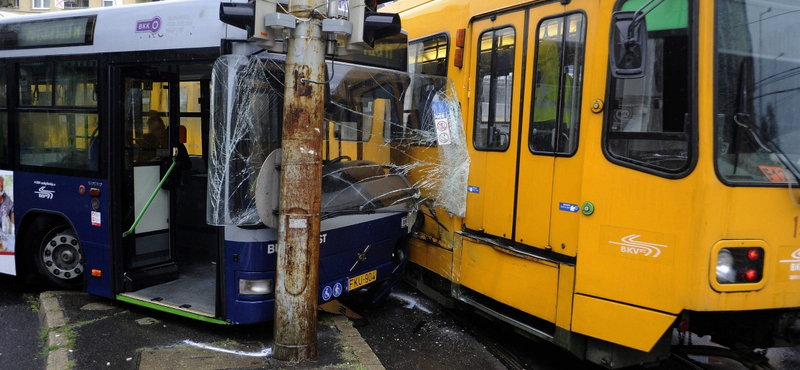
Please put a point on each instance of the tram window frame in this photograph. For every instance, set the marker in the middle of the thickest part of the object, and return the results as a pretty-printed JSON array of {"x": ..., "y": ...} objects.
[
  {"x": 417, "y": 113},
  {"x": 571, "y": 65},
  {"x": 54, "y": 136},
  {"x": 493, "y": 141},
  {"x": 673, "y": 134}
]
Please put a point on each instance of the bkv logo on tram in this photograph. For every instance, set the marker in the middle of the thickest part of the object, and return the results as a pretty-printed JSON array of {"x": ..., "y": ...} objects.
[{"x": 638, "y": 244}]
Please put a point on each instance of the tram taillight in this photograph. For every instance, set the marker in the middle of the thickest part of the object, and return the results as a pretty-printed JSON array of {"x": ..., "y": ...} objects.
[
  {"x": 751, "y": 275},
  {"x": 753, "y": 254},
  {"x": 740, "y": 265}
]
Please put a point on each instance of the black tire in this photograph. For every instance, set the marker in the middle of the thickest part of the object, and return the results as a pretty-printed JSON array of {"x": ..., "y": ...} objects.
[{"x": 59, "y": 257}]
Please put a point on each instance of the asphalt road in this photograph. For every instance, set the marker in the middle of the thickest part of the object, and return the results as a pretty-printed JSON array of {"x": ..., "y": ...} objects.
[{"x": 20, "y": 342}]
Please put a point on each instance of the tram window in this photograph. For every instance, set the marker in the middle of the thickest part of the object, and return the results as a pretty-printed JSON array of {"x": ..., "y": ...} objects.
[
  {"x": 557, "y": 85},
  {"x": 356, "y": 127},
  {"x": 648, "y": 123},
  {"x": 428, "y": 57},
  {"x": 65, "y": 134},
  {"x": 494, "y": 84},
  {"x": 373, "y": 107}
]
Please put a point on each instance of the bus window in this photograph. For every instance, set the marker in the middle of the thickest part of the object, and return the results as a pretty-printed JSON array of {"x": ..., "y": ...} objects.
[
  {"x": 3, "y": 116},
  {"x": 60, "y": 136},
  {"x": 557, "y": 92},
  {"x": 35, "y": 84},
  {"x": 493, "y": 88},
  {"x": 75, "y": 84},
  {"x": 191, "y": 116},
  {"x": 648, "y": 123}
]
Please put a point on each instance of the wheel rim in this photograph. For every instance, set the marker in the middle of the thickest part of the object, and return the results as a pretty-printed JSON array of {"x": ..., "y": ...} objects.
[{"x": 62, "y": 257}]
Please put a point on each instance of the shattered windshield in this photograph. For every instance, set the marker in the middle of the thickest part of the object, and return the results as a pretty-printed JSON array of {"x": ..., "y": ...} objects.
[
  {"x": 392, "y": 141},
  {"x": 757, "y": 122}
]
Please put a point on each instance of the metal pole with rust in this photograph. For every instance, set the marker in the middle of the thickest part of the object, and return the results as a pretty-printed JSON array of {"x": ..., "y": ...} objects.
[{"x": 297, "y": 280}]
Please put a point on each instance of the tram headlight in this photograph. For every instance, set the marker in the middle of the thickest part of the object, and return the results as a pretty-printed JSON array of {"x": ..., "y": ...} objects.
[
  {"x": 726, "y": 273},
  {"x": 256, "y": 287}
]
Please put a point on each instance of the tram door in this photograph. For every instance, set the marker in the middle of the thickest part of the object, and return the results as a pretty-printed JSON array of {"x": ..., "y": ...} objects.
[
  {"x": 548, "y": 190},
  {"x": 495, "y": 123},
  {"x": 151, "y": 129},
  {"x": 525, "y": 182}
]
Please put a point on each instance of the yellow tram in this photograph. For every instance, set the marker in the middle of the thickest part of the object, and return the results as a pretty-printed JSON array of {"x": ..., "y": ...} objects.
[{"x": 633, "y": 169}]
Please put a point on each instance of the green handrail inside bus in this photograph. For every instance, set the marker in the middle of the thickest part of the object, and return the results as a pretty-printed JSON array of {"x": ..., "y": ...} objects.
[{"x": 147, "y": 205}]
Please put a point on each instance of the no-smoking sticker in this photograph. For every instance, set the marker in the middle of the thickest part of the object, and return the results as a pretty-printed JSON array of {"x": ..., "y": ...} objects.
[{"x": 442, "y": 120}]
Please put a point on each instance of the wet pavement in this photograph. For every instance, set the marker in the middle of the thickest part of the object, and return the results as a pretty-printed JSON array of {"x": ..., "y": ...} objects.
[
  {"x": 403, "y": 333},
  {"x": 20, "y": 342},
  {"x": 408, "y": 331}
]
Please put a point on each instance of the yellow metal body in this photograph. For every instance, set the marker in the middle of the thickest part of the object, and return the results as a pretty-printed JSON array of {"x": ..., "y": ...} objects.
[{"x": 597, "y": 284}]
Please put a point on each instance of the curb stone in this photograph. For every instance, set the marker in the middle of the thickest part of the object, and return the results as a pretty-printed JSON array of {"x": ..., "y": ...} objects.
[
  {"x": 51, "y": 316},
  {"x": 360, "y": 347}
]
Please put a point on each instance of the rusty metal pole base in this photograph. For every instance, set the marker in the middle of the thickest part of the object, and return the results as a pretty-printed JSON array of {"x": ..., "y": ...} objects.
[{"x": 294, "y": 353}]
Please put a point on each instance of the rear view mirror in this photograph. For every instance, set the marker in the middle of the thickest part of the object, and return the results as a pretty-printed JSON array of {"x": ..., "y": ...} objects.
[{"x": 628, "y": 48}]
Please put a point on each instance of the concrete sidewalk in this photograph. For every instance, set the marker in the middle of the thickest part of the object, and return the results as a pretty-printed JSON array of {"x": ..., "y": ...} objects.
[{"x": 86, "y": 332}]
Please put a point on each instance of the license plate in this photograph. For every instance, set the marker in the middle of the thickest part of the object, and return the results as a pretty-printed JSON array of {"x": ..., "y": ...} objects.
[{"x": 361, "y": 280}]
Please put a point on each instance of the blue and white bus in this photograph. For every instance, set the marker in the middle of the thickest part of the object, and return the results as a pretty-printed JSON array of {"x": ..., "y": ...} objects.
[{"x": 88, "y": 201}]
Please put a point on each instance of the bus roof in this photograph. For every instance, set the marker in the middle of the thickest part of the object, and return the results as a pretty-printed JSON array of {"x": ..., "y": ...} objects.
[{"x": 179, "y": 24}]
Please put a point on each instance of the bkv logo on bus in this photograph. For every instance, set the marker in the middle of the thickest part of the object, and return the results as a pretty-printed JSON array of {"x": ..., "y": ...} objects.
[
  {"x": 630, "y": 245},
  {"x": 45, "y": 193}
]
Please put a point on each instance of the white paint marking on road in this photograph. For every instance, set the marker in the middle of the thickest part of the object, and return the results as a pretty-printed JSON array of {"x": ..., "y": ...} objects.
[{"x": 266, "y": 352}]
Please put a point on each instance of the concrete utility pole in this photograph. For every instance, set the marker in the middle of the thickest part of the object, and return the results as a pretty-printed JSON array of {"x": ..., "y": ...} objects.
[{"x": 297, "y": 280}]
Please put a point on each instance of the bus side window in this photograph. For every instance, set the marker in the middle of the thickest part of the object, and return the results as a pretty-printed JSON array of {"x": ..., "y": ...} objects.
[
  {"x": 58, "y": 114},
  {"x": 494, "y": 84}
]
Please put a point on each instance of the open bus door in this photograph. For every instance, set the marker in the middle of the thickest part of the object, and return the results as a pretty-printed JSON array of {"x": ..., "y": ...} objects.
[
  {"x": 149, "y": 253},
  {"x": 163, "y": 211}
]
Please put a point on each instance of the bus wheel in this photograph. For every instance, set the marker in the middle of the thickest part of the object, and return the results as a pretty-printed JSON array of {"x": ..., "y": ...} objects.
[{"x": 60, "y": 258}]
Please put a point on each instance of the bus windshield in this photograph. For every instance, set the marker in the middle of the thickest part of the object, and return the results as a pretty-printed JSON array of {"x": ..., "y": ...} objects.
[
  {"x": 757, "y": 96},
  {"x": 366, "y": 160}
]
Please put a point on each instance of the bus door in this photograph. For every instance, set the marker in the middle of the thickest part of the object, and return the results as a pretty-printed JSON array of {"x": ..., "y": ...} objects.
[
  {"x": 151, "y": 127},
  {"x": 548, "y": 204}
]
